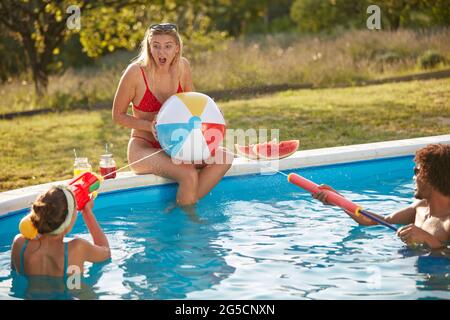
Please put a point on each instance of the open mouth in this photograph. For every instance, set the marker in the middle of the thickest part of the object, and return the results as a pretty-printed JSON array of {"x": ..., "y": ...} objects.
[{"x": 162, "y": 60}]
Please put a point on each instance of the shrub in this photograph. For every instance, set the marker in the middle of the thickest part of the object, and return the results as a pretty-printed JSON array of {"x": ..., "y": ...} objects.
[{"x": 431, "y": 59}]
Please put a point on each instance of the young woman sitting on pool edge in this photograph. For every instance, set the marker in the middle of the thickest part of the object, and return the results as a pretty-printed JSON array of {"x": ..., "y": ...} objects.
[
  {"x": 53, "y": 215},
  {"x": 157, "y": 73},
  {"x": 427, "y": 220}
]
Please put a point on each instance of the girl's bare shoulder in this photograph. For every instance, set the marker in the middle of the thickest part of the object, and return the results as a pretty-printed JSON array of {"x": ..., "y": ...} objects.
[
  {"x": 132, "y": 71},
  {"x": 79, "y": 243},
  {"x": 19, "y": 240}
]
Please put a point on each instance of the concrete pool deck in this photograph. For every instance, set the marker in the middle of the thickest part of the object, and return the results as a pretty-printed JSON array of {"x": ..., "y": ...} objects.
[{"x": 19, "y": 199}]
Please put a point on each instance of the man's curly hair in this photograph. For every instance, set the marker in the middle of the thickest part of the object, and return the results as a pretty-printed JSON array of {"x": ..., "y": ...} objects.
[{"x": 434, "y": 163}]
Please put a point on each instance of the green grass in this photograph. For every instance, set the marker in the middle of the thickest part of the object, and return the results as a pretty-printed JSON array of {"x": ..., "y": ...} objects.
[
  {"x": 242, "y": 63},
  {"x": 333, "y": 117},
  {"x": 38, "y": 149}
]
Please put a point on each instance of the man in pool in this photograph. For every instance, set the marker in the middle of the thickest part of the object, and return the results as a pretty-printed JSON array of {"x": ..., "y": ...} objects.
[{"x": 427, "y": 220}]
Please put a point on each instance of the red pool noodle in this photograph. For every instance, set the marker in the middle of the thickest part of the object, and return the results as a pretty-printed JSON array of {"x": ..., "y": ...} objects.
[{"x": 332, "y": 197}]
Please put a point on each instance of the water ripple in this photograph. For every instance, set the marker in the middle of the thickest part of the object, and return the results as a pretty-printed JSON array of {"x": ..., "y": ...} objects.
[{"x": 259, "y": 237}]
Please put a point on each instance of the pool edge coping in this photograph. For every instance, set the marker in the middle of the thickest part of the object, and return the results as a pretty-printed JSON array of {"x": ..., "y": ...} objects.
[{"x": 19, "y": 199}]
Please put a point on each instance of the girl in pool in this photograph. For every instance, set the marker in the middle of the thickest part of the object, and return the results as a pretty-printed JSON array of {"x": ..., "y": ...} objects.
[
  {"x": 157, "y": 73},
  {"x": 53, "y": 215}
]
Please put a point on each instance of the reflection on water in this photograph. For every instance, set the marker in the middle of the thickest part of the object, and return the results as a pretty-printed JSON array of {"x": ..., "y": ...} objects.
[
  {"x": 173, "y": 255},
  {"x": 47, "y": 288},
  {"x": 155, "y": 255},
  {"x": 255, "y": 237},
  {"x": 433, "y": 269}
]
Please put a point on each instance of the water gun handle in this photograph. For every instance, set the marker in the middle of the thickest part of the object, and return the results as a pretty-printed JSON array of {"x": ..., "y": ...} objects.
[
  {"x": 332, "y": 197},
  {"x": 93, "y": 195}
]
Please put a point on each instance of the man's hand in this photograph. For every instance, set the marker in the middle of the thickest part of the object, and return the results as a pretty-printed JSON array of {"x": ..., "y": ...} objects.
[
  {"x": 322, "y": 196},
  {"x": 413, "y": 235}
]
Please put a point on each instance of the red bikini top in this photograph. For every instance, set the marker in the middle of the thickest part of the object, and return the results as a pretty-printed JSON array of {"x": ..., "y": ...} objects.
[{"x": 149, "y": 102}]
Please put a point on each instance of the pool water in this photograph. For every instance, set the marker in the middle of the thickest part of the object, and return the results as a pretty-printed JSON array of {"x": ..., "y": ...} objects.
[{"x": 255, "y": 237}]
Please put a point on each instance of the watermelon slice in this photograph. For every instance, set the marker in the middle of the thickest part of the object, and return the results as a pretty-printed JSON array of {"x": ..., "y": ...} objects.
[
  {"x": 246, "y": 151},
  {"x": 273, "y": 150}
]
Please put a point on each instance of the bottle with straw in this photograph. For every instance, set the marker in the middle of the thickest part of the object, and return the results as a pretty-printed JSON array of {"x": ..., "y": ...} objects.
[
  {"x": 80, "y": 165},
  {"x": 107, "y": 165}
]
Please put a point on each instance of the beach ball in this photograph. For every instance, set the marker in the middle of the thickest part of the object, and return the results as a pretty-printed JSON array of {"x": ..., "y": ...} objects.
[{"x": 190, "y": 126}]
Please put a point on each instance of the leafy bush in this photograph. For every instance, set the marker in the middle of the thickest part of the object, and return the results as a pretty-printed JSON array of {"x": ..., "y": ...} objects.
[{"x": 431, "y": 59}]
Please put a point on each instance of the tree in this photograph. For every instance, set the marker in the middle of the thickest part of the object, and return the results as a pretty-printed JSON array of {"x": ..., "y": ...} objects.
[
  {"x": 319, "y": 15},
  {"x": 396, "y": 11},
  {"x": 40, "y": 26},
  {"x": 12, "y": 62},
  {"x": 438, "y": 10},
  {"x": 237, "y": 16},
  {"x": 325, "y": 15},
  {"x": 106, "y": 29},
  {"x": 400, "y": 13}
]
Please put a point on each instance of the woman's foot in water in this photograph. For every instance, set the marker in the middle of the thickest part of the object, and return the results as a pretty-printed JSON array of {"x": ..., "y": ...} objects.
[
  {"x": 191, "y": 213},
  {"x": 170, "y": 207}
]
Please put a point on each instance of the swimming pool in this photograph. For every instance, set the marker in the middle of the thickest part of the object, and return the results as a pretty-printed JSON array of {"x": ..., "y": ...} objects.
[{"x": 256, "y": 237}]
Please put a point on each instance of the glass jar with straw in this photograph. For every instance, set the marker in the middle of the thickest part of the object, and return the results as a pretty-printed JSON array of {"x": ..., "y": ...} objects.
[
  {"x": 81, "y": 165},
  {"x": 107, "y": 165}
]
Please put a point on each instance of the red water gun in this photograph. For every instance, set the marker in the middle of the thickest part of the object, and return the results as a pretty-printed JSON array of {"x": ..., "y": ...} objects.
[{"x": 85, "y": 187}]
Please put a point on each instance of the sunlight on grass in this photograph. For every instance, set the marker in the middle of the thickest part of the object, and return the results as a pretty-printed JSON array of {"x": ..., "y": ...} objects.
[
  {"x": 39, "y": 149},
  {"x": 254, "y": 61}
]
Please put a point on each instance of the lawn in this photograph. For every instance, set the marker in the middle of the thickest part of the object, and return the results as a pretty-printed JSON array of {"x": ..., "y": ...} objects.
[
  {"x": 254, "y": 61},
  {"x": 39, "y": 149}
]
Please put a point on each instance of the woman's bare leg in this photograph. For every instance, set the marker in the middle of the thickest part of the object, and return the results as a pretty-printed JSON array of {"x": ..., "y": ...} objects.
[
  {"x": 211, "y": 175},
  {"x": 161, "y": 164},
  {"x": 192, "y": 185}
]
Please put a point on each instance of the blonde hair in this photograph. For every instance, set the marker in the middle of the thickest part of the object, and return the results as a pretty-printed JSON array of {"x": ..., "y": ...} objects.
[{"x": 145, "y": 57}]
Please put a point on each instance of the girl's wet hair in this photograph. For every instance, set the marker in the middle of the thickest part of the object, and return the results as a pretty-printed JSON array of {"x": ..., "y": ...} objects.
[{"x": 49, "y": 210}]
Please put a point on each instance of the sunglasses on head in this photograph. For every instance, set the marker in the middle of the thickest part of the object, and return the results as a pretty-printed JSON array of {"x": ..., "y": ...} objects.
[{"x": 164, "y": 26}]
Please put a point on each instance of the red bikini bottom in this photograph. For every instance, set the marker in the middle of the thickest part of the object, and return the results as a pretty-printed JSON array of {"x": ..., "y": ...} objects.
[{"x": 154, "y": 144}]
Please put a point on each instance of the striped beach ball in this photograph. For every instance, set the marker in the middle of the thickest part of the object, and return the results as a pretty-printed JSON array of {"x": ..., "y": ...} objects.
[{"x": 190, "y": 126}]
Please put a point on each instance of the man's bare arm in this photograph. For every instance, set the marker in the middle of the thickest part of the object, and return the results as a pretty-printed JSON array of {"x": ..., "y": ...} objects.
[{"x": 404, "y": 216}]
